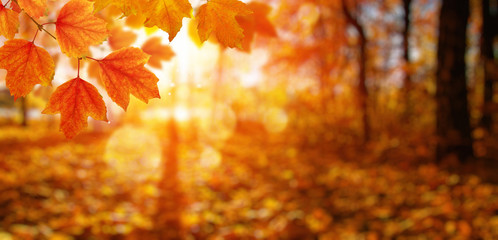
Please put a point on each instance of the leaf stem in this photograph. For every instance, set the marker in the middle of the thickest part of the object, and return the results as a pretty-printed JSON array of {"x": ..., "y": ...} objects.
[
  {"x": 35, "y": 36},
  {"x": 79, "y": 59},
  {"x": 93, "y": 59},
  {"x": 40, "y": 26},
  {"x": 49, "y": 34},
  {"x": 6, "y": 3}
]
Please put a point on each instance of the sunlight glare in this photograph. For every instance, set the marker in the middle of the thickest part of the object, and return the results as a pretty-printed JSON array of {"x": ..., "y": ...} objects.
[
  {"x": 275, "y": 120},
  {"x": 210, "y": 158},
  {"x": 252, "y": 78},
  {"x": 134, "y": 152},
  {"x": 181, "y": 114},
  {"x": 220, "y": 124}
]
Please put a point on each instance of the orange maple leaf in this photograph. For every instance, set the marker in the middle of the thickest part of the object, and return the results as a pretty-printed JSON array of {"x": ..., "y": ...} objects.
[
  {"x": 9, "y": 22},
  {"x": 34, "y": 8},
  {"x": 157, "y": 52},
  {"x": 77, "y": 28},
  {"x": 167, "y": 15},
  {"x": 256, "y": 23},
  {"x": 119, "y": 39},
  {"x": 122, "y": 72},
  {"x": 93, "y": 71},
  {"x": 75, "y": 100},
  {"x": 135, "y": 21},
  {"x": 15, "y": 7},
  {"x": 26, "y": 65},
  {"x": 219, "y": 16}
]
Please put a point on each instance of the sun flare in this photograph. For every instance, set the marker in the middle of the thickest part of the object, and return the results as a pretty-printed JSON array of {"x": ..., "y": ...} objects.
[{"x": 135, "y": 152}]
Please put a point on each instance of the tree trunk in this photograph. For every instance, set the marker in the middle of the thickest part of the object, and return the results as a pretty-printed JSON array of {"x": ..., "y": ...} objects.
[
  {"x": 487, "y": 37},
  {"x": 407, "y": 82},
  {"x": 362, "y": 63},
  {"x": 170, "y": 204},
  {"x": 24, "y": 112},
  {"x": 452, "y": 117},
  {"x": 362, "y": 85}
]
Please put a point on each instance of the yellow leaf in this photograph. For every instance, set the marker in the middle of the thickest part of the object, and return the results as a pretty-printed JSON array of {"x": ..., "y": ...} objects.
[
  {"x": 135, "y": 21},
  {"x": 167, "y": 15},
  {"x": 128, "y": 7},
  {"x": 192, "y": 32},
  {"x": 218, "y": 16}
]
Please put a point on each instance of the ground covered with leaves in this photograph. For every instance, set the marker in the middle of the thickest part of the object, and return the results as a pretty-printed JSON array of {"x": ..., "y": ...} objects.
[{"x": 258, "y": 187}]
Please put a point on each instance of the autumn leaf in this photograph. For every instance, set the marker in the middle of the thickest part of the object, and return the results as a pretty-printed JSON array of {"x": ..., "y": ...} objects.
[
  {"x": 26, "y": 65},
  {"x": 157, "y": 52},
  {"x": 122, "y": 72},
  {"x": 256, "y": 23},
  {"x": 15, "y": 7},
  {"x": 262, "y": 25},
  {"x": 75, "y": 100},
  {"x": 192, "y": 32},
  {"x": 34, "y": 8},
  {"x": 119, "y": 39},
  {"x": 167, "y": 15},
  {"x": 9, "y": 22},
  {"x": 218, "y": 16},
  {"x": 100, "y": 4},
  {"x": 93, "y": 71},
  {"x": 128, "y": 7},
  {"x": 77, "y": 28},
  {"x": 135, "y": 21}
]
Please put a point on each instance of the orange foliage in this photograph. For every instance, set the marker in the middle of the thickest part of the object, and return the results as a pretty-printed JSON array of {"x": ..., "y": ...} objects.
[
  {"x": 75, "y": 100},
  {"x": 123, "y": 73},
  {"x": 256, "y": 23},
  {"x": 135, "y": 21},
  {"x": 157, "y": 52},
  {"x": 77, "y": 28},
  {"x": 119, "y": 39},
  {"x": 9, "y": 22},
  {"x": 27, "y": 65},
  {"x": 34, "y": 8},
  {"x": 218, "y": 16},
  {"x": 167, "y": 15},
  {"x": 128, "y": 7}
]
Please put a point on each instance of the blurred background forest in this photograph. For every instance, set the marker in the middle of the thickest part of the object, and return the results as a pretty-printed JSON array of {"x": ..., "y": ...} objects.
[{"x": 352, "y": 119}]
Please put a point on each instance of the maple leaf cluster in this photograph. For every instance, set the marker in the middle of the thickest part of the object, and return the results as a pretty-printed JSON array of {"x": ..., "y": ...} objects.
[{"x": 123, "y": 71}]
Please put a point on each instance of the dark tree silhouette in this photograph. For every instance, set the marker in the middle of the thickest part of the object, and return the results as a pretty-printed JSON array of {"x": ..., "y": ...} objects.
[
  {"x": 488, "y": 34},
  {"x": 452, "y": 124},
  {"x": 362, "y": 63},
  {"x": 407, "y": 82}
]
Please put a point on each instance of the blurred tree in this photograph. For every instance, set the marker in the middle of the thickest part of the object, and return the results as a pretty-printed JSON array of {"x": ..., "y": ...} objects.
[
  {"x": 362, "y": 63},
  {"x": 407, "y": 82},
  {"x": 489, "y": 32},
  {"x": 169, "y": 203},
  {"x": 24, "y": 112},
  {"x": 452, "y": 117}
]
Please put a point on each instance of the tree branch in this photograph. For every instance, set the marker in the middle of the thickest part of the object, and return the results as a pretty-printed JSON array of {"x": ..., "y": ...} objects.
[
  {"x": 40, "y": 26},
  {"x": 353, "y": 21}
]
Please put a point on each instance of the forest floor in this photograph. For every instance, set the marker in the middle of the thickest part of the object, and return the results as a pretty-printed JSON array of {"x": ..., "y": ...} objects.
[{"x": 259, "y": 186}]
